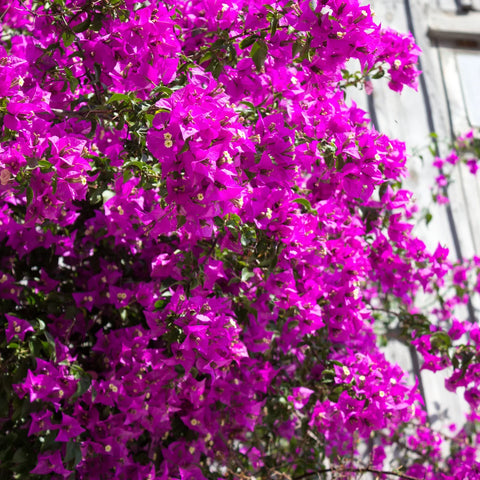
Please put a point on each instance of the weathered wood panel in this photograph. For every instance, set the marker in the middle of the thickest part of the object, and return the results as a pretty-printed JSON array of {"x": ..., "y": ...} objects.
[
  {"x": 447, "y": 5},
  {"x": 448, "y": 26},
  {"x": 439, "y": 106},
  {"x": 459, "y": 123},
  {"x": 405, "y": 117},
  {"x": 468, "y": 64}
]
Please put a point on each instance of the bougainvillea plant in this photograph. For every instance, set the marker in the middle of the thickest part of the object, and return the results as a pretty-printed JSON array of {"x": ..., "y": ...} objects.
[{"x": 199, "y": 237}]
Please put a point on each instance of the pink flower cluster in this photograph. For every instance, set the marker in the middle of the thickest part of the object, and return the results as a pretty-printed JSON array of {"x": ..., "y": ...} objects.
[{"x": 198, "y": 239}]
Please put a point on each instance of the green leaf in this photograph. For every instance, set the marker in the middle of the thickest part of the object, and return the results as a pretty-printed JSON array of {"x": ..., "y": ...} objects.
[
  {"x": 127, "y": 175},
  {"x": 259, "y": 54},
  {"x": 206, "y": 57},
  {"x": 135, "y": 163},
  {"x": 334, "y": 395},
  {"x": 97, "y": 22},
  {"x": 98, "y": 71},
  {"x": 73, "y": 452},
  {"x": 40, "y": 325},
  {"x": 440, "y": 340},
  {"x": 74, "y": 84},
  {"x": 180, "y": 369},
  {"x": 246, "y": 42},
  {"x": 328, "y": 376},
  {"x": 246, "y": 274},
  {"x": 76, "y": 370},
  {"x": 51, "y": 346},
  {"x": 20, "y": 456},
  {"x": 167, "y": 92},
  {"x": 428, "y": 217},
  {"x": 121, "y": 122},
  {"x": 455, "y": 362},
  {"x": 274, "y": 25},
  {"x": 124, "y": 15},
  {"x": 161, "y": 304},
  {"x": 119, "y": 97},
  {"x": 378, "y": 74},
  {"x": 107, "y": 195},
  {"x": 72, "y": 80},
  {"x": 304, "y": 202},
  {"x": 82, "y": 386},
  {"x": 234, "y": 218},
  {"x": 181, "y": 220},
  {"x": 91, "y": 133},
  {"x": 81, "y": 27},
  {"x": 186, "y": 146},
  {"x": 29, "y": 193},
  {"x": 292, "y": 324},
  {"x": 45, "y": 166},
  {"x": 383, "y": 189},
  {"x": 68, "y": 38},
  {"x": 297, "y": 47}
]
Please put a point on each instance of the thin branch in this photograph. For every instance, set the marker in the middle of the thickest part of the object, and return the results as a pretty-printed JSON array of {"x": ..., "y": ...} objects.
[
  {"x": 5, "y": 12},
  {"x": 357, "y": 470}
]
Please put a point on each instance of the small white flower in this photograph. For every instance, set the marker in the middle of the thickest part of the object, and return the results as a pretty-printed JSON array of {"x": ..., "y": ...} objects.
[{"x": 326, "y": 10}]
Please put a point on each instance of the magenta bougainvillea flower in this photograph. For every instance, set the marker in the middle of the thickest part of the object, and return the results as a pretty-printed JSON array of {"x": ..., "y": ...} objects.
[
  {"x": 203, "y": 245},
  {"x": 17, "y": 328}
]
